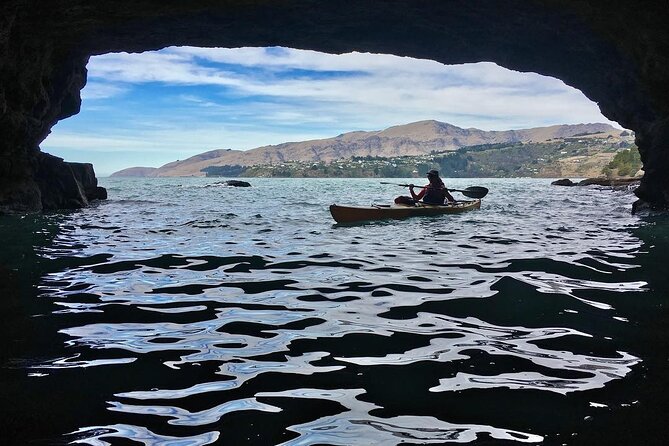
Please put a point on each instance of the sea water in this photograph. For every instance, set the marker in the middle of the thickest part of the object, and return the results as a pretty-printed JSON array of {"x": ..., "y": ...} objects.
[{"x": 184, "y": 312}]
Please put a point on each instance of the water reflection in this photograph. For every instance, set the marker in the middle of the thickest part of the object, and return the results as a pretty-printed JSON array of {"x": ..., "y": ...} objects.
[{"x": 199, "y": 326}]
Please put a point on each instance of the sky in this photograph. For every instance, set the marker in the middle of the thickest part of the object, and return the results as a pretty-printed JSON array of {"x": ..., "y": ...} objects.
[{"x": 148, "y": 109}]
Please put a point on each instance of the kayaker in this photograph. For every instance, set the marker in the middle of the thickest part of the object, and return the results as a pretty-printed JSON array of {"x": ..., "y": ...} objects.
[{"x": 433, "y": 193}]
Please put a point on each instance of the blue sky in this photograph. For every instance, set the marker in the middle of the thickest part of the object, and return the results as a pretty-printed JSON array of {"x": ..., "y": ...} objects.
[{"x": 152, "y": 108}]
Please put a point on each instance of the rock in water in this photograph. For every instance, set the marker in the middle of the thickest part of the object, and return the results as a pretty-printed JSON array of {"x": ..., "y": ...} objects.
[
  {"x": 563, "y": 182},
  {"x": 237, "y": 183},
  {"x": 609, "y": 181},
  {"x": 64, "y": 185}
]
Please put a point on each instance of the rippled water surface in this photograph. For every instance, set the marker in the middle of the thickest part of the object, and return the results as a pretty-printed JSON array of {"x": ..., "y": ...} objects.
[{"x": 183, "y": 312}]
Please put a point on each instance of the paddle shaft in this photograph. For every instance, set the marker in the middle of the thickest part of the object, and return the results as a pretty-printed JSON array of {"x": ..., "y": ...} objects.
[
  {"x": 471, "y": 192},
  {"x": 420, "y": 187}
]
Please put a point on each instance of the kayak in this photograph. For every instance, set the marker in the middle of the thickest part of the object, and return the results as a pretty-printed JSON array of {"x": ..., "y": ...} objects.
[{"x": 351, "y": 214}]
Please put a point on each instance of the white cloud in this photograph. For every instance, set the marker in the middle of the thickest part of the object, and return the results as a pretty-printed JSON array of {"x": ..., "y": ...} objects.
[
  {"x": 99, "y": 90},
  {"x": 163, "y": 67},
  {"x": 181, "y": 141},
  {"x": 288, "y": 58},
  {"x": 385, "y": 84}
]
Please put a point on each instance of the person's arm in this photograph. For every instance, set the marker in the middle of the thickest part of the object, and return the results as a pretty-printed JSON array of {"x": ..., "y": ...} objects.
[
  {"x": 449, "y": 197},
  {"x": 416, "y": 196}
]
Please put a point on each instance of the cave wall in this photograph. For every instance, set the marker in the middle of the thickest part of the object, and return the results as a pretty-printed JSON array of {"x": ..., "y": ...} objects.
[
  {"x": 40, "y": 83},
  {"x": 616, "y": 53}
]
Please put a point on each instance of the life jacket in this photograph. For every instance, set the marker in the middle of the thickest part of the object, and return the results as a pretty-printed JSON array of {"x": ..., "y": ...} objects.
[{"x": 434, "y": 195}]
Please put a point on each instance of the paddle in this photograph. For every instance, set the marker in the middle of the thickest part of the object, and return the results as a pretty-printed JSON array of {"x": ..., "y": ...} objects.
[{"x": 471, "y": 192}]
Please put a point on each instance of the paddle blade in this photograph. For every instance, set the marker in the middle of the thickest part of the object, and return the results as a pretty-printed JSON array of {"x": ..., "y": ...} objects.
[{"x": 475, "y": 192}]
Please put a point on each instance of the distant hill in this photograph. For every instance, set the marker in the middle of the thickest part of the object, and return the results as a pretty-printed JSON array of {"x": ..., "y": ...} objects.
[
  {"x": 135, "y": 172},
  {"x": 418, "y": 138}
]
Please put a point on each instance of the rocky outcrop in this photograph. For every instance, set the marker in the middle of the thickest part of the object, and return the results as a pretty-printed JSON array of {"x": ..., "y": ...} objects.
[
  {"x": 237, "y": 183},
  {"x": 65, "y": 185},
  {"x": 563, "y": 182},
  {"x": 53, "y": 184},
  {"x": 615, "y": 52},
  {"x": 609, "y": 182},
  {"x": 599, "y": 181},
  {"x": 230, "y": 183}
]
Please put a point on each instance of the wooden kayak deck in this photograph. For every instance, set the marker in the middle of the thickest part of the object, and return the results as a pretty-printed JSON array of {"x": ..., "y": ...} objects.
[{"x": 351, "y": 214}]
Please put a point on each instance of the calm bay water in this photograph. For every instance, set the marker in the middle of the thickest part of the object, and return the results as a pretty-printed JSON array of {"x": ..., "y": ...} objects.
[{"x": 183, "y": 312}]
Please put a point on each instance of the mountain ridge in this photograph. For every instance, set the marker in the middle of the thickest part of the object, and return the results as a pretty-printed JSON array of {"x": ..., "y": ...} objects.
[{"x": 417, "y": 138}]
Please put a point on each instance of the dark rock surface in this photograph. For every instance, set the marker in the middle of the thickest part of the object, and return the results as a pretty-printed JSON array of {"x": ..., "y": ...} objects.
[
  {"x": 615, "y": 52},
  {"x": 237, "y": 183},
  {"x": 611, "y": 182},
  {"x": 563, "y": 182},
  {"x": 601, "y": 181},
  {"x": 64, "y": 185}
]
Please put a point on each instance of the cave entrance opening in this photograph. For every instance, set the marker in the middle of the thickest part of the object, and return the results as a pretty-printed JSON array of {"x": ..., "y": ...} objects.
[{"x": 151, "y": 108}]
